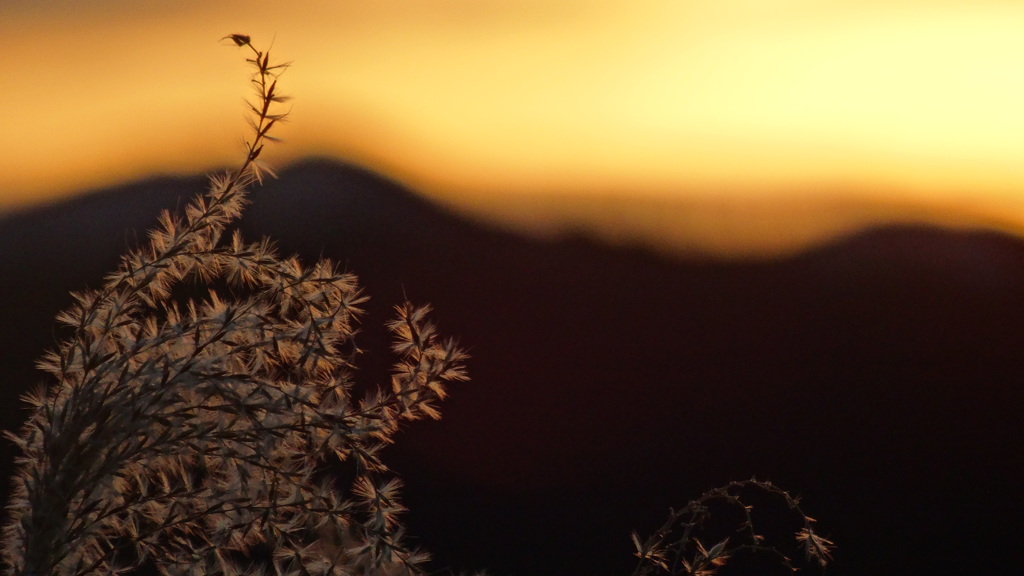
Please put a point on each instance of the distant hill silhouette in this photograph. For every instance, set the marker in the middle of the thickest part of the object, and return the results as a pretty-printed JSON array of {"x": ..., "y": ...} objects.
[{"x": 879, "y": 376}]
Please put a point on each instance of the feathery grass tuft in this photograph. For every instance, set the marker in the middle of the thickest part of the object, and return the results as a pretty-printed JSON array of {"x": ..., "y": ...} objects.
[
  {"x": 728, "y": 515},
  {"x": 187, "y": 433}
]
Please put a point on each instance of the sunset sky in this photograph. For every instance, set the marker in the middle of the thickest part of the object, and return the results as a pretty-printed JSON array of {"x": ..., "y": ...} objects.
[{"x": 734, "y": 126}]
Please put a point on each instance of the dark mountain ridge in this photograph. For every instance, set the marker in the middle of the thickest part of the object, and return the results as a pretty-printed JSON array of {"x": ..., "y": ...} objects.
[{"x": 877, "y": 375}]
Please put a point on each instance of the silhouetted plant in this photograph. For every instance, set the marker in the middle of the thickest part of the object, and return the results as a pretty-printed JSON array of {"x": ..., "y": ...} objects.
[
  {"x": 207, "y": 386},
  {"x": 676, "y": 548},
  {"x": 185, "y": 432}
]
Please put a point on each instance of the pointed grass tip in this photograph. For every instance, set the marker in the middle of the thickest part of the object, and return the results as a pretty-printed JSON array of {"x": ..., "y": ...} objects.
[{"x": 239, "y": 39}]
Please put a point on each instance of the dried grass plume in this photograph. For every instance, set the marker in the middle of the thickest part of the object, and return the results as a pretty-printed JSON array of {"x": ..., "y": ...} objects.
[{"x": 186, "y": 429}]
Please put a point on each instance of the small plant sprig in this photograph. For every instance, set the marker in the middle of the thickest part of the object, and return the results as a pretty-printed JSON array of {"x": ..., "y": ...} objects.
[
  {"x": 186, "y": 428},
  {"x": 675, "y": 548},
  {"x": 261, "y": 119}
]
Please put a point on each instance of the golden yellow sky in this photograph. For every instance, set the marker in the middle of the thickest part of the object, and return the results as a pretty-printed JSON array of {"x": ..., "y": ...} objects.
[{"x": 735, "y": 126}]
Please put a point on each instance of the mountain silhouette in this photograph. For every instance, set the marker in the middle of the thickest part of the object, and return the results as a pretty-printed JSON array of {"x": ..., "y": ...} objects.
[{"x": 877, "y": 376}]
